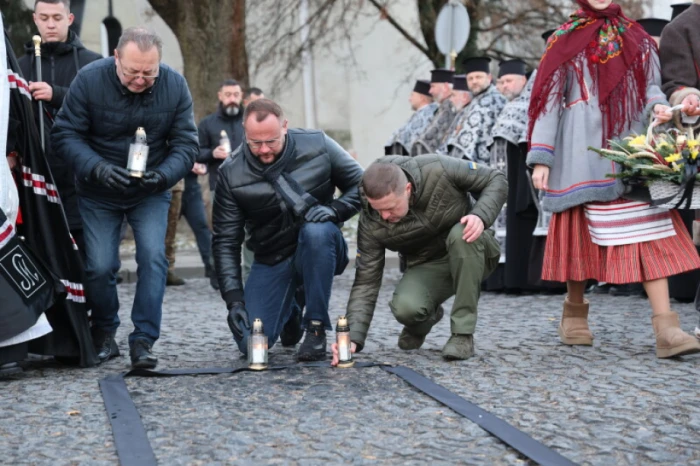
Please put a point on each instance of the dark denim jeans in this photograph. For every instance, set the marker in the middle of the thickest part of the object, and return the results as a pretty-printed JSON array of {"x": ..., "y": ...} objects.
[
  {"x": 321, "y": 254},
  {"x": 102, "y": 222},
  {"x": 193, "y": 211}
]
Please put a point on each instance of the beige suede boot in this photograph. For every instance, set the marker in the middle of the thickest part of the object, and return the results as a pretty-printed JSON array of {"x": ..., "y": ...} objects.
[
  {"x": 573, "y": 329},
  {"x": 670, "y": 339}
]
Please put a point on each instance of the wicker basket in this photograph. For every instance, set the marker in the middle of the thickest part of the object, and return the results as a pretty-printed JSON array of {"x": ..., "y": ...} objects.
[{"x": 664, "y": 189}]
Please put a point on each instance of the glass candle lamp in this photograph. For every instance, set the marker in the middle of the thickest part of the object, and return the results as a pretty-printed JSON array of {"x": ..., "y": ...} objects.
[
  {"x": 225, "y": 142},
  {"x": 257, "y": 347},
  {"x": 138, "y": 154},
  {"x": 342, "y": 335}
]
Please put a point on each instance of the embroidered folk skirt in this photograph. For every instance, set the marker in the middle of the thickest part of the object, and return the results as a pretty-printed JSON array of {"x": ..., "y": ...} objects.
[{"x": 571, "y": 255}]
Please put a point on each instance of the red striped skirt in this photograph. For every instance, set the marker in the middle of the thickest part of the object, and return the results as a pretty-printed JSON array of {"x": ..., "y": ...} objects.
[{"x": 571, "y": 255}]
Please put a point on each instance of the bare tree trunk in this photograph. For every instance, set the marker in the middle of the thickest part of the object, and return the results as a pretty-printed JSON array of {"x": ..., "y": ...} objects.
[
  {"x": 211, "y": 37},
  {"x": 17, "y": 19},
  {"x": 238, "y": 55}
]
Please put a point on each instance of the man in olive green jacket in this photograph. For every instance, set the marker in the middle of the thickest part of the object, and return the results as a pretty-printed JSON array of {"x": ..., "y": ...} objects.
[{"x": 423, "y": 208}]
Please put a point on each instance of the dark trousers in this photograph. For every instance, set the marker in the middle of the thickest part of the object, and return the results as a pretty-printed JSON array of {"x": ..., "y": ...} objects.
[
  {"x": 193, "y": 211},
  {"x": 102, "y": 221},
  {"x": 269, "y": 292}
]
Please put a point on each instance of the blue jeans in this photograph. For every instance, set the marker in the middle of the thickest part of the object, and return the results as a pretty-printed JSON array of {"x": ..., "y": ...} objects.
[
  {"x": 269, "y": 292},
  {"x": 193, "y": 211},
  {"x": 102, "y": 222}
]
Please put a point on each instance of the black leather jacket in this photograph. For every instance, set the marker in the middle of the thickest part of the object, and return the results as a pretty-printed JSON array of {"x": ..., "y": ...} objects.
[{"x": 245, "y": 198}]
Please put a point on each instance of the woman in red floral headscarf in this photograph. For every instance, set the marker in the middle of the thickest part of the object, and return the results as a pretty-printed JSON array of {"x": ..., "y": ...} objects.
[{"x": 599, "y": 79}]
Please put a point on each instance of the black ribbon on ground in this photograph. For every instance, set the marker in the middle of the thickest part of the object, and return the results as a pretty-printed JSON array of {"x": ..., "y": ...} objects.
[{"x": 133, "y": 447}]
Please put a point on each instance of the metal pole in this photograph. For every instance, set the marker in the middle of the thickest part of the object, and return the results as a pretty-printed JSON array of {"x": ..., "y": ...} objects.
[
  {"x": 37, "y": 61},
  {"x": 307, "y": 66},
  {"x": 448, "y": 59}
]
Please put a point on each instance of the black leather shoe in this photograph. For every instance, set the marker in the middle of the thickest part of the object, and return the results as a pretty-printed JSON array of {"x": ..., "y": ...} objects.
[
  {"x": 105, "y": 345},
  {"x": 601, "y": 288},
  {"x": 141, "y": 355},
  {"x": 292, "y": 331},
  {"x": 314, "y": 346},
  {"x": 631, "y": 289},
  {"x": 9, "y": 368}
]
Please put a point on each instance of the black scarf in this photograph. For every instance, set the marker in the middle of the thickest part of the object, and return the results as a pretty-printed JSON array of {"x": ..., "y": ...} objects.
[{"x": 289, "y": 192}]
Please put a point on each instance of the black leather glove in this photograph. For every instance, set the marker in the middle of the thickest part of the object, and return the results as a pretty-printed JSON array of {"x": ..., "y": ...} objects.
[
  {"x": 112, "y": 176},
  {"x": 153, "y": 181},
  {"x": 321, "y": 213},
  {"x": 238, "y": 319}
]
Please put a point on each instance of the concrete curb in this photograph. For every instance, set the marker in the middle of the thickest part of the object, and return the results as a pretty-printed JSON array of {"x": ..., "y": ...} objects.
[{"x": 189, "y": 265}]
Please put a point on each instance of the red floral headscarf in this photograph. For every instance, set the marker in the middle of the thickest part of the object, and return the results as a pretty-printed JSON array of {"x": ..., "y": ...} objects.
[{"x": 616, "y": 51}]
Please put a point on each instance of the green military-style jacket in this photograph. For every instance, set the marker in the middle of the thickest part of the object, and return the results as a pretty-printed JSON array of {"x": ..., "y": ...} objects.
[{"x": 444, "y": 189}]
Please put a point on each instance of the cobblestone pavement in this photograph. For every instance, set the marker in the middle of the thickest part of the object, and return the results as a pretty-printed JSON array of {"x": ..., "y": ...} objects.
[{"x": 612, "y": 404}]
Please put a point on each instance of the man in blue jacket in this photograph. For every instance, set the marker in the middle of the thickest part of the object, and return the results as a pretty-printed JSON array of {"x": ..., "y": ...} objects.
[{"x": 106, "y": 103}]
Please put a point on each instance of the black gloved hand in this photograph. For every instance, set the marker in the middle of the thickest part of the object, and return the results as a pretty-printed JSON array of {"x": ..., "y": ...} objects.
[
  {"x": 111, "y": 175},
  {"x": 238, "y": 319},
  {"x": 153, "y": 181},
  {"x": 321, "y": 213}
]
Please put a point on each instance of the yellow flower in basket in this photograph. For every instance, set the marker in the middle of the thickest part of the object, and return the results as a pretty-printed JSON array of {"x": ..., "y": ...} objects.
[
  {"x": 694, "y": 154},
  {"x": 640, "y": 141},
  {"x": 673, "y": 158},
  {"x": 693, "y": 143}
]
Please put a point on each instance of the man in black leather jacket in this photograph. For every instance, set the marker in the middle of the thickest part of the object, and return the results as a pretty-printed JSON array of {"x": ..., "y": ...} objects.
[{"x": 280, "y": 184}]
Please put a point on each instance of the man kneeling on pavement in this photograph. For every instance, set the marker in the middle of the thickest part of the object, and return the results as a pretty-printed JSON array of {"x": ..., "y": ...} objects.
[
  {"x": 424, "y": 208},
  {"x": 280, "y": 184}
]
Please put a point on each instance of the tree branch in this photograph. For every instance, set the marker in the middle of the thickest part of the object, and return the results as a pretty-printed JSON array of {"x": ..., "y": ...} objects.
[{"x": 399, "y": 28}]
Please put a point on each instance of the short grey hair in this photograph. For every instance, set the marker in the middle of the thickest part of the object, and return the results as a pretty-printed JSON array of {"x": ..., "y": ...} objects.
[{"x": 144, "y": 38}]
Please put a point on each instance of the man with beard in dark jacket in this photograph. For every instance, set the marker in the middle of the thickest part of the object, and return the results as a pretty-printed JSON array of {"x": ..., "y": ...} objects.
[
  {"x": 280, "y": 185},
  {"x": 62, "y": 56},
  {"x": 213, "y": 149},
  {"x": 229, "y": 118},
  {"x": 106, "y": 104}
]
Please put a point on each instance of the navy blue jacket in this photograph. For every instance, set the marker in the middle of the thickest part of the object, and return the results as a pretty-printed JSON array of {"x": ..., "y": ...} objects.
[{"x": 99, "y": 118}]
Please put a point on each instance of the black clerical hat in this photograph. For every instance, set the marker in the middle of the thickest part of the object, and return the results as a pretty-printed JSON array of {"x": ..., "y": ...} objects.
[
  {"x": 653, "y": 26},
  {"x": 459, "y": 82},
  {"x": 514, "y": 66},
  {"x": 679, "y": 8},
  {"x": 441, "y": 76},
  {"x": 474, "y": 64},
  {"x": 422, "y": 86}
]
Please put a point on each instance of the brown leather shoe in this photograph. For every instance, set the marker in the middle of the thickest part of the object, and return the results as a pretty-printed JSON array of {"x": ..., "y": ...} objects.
[{"x": 173, "y": 280}]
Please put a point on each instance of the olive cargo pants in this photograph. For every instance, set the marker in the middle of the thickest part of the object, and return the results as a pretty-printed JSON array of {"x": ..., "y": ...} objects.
[{"x": 423, "y": 288}]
